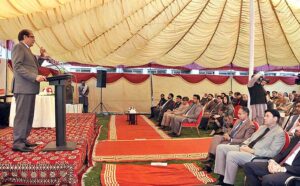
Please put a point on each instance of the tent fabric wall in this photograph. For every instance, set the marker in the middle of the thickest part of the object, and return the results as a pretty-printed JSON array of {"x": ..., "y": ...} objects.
[
  {"x": 121, "y": 94},
  {"x": 169, "y": 32}
]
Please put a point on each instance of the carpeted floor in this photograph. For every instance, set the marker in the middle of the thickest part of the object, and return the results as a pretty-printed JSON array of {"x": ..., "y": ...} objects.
[
  {"x": 48, "y": 168},
  {"x": 145, "y": 142},
  {"x": 142, "y": 130},
  {"x": 146, "y": 150},
  {"x": 187, "y": 174}
]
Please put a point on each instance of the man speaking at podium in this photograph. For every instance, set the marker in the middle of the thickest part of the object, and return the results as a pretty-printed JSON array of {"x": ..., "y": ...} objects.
[{"x": 26, "y": 84}]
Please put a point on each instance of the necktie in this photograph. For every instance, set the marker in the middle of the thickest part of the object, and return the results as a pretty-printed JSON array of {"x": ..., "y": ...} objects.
[
  {"x": 292, "y": 151},
  {"x": 258, "y": 138},
  {"x": 163, "y": 106},
  {"x": 234, "y": 131},
  {"x": 186, "y": 113},
  {"x": 291, "y": 124}
]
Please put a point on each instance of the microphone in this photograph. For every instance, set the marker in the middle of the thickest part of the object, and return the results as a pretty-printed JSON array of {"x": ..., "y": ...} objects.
[{"x": 60, "y": 68}]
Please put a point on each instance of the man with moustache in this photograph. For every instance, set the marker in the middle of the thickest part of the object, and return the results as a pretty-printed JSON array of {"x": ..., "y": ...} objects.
[{"x": 277, "y": 170}]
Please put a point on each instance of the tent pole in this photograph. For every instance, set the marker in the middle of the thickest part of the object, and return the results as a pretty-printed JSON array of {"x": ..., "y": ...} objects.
[
  {"x": 251, "y": 45},
  {"x": 151, "y": 87},
  {"x": 6, "y": 63}
]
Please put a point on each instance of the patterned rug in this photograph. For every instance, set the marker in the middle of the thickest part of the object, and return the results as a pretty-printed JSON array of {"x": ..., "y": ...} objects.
[
  {"x": 48, "y": 168},
  {"x": 146, "y": 150},
  {"x": 187, "y": 174},
  {"x": 119, "y": 129}
]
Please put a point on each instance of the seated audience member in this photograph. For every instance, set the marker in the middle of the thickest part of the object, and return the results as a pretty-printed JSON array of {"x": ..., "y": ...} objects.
[
  {"x": 216, "y": 122},
  {"x": 277, "y": 170},
  {"x": 160, "y": 103},
  {"x": 274, "y": 96},
  {"x": 230, "y": 94},
  {"x": 223, "y": 95},
  {"x": 228, "y": 122},
  {"x": 168, "y": 105},
  {"x": 291, "y": 97},
  {"x": 281, "y": 101},
  {"x": 165, "y": 123},
  {"x": 285, "y": 94},
  {"x": 270, "y": 104},
  {"x": 237, "y": 98},
  {"x": 291, "y": 124},
  {"x": 267, "y": 141},
  {"x": 242, "y": 130},
  {"x": 190, "y": 115},
  {"x": 177, "y": 102},
  {"x": 244, "y": 101},
  {"x": 211, "y": 110},
  {"x": 204, "y": 99}
]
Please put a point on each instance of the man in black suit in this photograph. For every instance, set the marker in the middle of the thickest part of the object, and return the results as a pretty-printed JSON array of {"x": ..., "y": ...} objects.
[
  {"x": 277, "y": 170},
  {"x": 168, "y": 105},
  {"x": 155, "y": 108}
]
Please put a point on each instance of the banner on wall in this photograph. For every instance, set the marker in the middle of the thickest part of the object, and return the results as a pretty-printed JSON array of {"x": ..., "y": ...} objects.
[{"x": 2, "y": 77}]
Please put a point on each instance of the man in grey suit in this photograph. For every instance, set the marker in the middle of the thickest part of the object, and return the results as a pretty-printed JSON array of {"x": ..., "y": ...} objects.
[
  {"x": 267, "y": 141},
  {"x": 25, "y": 87},
  {"x": 190, "y": 115},
  {"x": 169, "y": 114},
  {"x": 242, "y": 130}
]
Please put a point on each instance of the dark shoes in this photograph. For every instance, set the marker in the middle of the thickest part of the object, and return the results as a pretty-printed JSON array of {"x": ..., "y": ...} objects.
[
  {"x": 166, "y": 128},
  {"x": 27, "y": 144},
  {"x": 221, "y": 181},
  {"x": 24, "y": 149},
  {"x": 207, "y": 168},
  {"x": 172, "y": 134},
  {"x": 208, "y": 160}
]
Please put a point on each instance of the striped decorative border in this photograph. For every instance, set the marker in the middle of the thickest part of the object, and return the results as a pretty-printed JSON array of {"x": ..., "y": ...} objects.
[
  {"x": 160, "y": 132},
  {"x": 200, "y": 175},
  {"x": 110, "y": 178},
  {"x": 112, "y": 128},
  {"x": 122, "y": 158},
  {"x": 110, "y": 175}
]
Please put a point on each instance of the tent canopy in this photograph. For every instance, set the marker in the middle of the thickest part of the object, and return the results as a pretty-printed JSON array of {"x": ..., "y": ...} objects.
[{"x": 210, "y": 33}]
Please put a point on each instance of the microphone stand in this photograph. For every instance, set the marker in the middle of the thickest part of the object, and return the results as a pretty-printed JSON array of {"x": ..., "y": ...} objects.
[{"x": 60, "y": 70}]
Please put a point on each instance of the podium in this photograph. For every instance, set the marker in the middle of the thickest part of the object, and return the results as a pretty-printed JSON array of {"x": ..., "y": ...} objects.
[{"x": 59, "y": 82}]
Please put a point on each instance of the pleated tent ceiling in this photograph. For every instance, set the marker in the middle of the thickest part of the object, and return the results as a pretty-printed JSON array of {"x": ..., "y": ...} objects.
[{"x": 211, "y": 33}]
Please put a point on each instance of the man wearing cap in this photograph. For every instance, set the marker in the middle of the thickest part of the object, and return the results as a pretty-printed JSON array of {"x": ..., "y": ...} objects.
[
  {"x": 258, "y": 100},
  {"x": 267, "y": 142}
]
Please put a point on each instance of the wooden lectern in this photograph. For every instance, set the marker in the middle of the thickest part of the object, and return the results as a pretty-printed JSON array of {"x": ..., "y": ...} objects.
[{"x": 59, "y": 82}]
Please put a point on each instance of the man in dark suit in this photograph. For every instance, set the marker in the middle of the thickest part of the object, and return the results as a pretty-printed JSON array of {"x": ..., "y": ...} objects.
[
  {"x": 26, "y": 84},
  {"x": 168, "y": 105},
  {"x": 155, "y": 108},
  {"x": 277, "y": 170},
  {"x": 84, "y": 90}
]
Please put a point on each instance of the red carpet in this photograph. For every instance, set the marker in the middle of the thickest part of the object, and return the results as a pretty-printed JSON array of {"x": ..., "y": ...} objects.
[
  {"x": 146, "y": 175},
  {"x": 130, "y": 132},
  {"x": 145, "y": 150},
  {"x": 48, "y": 168}
]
